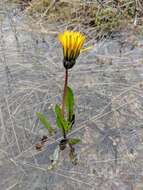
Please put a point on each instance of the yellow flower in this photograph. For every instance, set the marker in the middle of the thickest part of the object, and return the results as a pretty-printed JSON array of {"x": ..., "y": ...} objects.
[{"x": 72, "y": 43}]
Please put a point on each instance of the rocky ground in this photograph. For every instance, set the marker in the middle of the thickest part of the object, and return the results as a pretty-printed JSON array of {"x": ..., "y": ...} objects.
[{"x": 108, "y": 85}]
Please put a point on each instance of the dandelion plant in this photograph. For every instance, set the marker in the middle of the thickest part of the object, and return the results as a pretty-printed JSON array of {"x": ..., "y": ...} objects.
[{"x": 72, "y": 43}]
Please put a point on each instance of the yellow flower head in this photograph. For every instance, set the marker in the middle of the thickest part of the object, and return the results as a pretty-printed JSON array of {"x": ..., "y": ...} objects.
[{"x": 72, "y": 43}]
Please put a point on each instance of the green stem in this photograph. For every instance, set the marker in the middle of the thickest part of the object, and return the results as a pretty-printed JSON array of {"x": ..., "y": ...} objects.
[{"x": 64, "y": 95}]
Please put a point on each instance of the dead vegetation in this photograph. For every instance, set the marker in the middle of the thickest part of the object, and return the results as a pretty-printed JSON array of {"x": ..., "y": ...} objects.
[{"x": 105, "y": 16}]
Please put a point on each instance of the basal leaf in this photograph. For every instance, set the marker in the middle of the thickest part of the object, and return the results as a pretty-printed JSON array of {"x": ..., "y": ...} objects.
[
  {"x": 61, "y": 122},
  {"x": 58, "y": 111},
  {"x": 45, "y": 122},
  {"x": 69, "y": 104},
  {"x": 74, "y": 141},
  {"x": 54, "y": 158}
]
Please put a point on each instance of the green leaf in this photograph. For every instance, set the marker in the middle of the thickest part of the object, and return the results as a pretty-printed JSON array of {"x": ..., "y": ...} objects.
[
  {"x": 45, "y": 122},
  {"x": 61, "y": 122},
  {"x": 69, "y": 103},
  {"x": 58, "y": 111},
  {"x": 74, "y": 141}
]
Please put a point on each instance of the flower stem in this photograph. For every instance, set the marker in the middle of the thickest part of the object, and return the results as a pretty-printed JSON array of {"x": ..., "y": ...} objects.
[{"x": 64, "y": 94}]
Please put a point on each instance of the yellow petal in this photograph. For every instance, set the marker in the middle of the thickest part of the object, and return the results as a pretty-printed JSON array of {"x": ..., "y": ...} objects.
[
  {"x": 72, "y": 43},
  {"x": 86, "y": 49}
]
